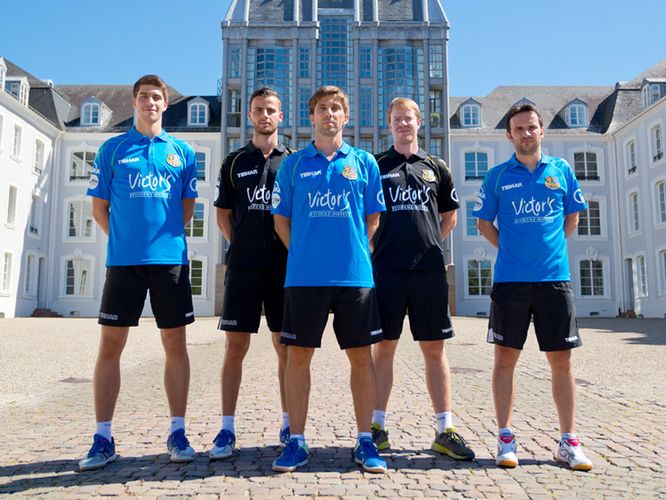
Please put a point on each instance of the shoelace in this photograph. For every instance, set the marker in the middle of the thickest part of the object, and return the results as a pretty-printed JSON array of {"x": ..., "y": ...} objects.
[
  {"x": 290, "y": 449},
  {"x": 457, "y": 437},
  {"x": 100, "y": 446},
  {"x": 180, "y": 441},
  {"x": 223, "y": 438},
  {"x": 368, "y": 449}
]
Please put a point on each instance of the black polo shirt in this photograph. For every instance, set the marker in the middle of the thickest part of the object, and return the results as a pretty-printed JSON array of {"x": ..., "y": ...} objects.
[
  {"x": 416, "y": 190},
  {"x": 244, "y": 185}
]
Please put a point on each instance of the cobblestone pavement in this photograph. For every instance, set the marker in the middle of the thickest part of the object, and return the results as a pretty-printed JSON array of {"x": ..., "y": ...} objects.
[{"x": 47, "y": 420}]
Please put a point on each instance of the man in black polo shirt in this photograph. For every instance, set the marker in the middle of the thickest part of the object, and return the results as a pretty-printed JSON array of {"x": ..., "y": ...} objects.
[
  {"x": 408, "y": 263},
  {"x": 256, "y": 259}
]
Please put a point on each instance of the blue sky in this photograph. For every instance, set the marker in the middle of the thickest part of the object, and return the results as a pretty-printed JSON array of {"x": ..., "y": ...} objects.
[{"x": 568, "y": 42}]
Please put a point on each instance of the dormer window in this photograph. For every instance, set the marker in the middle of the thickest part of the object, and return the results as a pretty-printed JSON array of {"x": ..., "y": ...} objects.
[
  {"x": 197, "y": 113},
  {"x": 90, "y": 114},
  {"x": 470, "y": 114},
  {"x": 19, "y": 88},
  {"x": 651, "y": 93},
  {"x": 576, "y": 115}
]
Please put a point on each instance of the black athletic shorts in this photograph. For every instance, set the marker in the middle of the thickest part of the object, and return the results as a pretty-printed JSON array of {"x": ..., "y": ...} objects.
[
  {"x": 423, "y": 295},
  {"x": 550, "y": 303},
  {"x": 125, "y": 290},
  {"x": 355, "y": 318},
  {"x": 244, "y": 293}
]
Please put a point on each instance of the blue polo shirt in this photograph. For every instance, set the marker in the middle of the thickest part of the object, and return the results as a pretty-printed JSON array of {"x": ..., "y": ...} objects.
[
  {"x": 530, "y": 209},
  {"x": 145, "y": 182},
  {"x": 327, "y": 202}
]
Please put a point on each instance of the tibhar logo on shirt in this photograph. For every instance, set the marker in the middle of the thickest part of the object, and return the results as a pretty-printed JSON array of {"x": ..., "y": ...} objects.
[
  {"x": 259, "y": 198},
  {"x": 124, "y": 161},
  {"x": 329, "y": 204},
  {"x": 409, "y": 198},
  {"x": 150, "y": 186},
  {"x": 312, "y": 173},
  {"x": 515, "y": 185},
  {"x": 392, "y": 175},
  {"x": 534, "y": 210},
  {"x": 245, "y": 174}
]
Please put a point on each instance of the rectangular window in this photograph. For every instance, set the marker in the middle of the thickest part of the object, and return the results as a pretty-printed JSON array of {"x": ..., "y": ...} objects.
[
  {"x": 234, "y": 108},
  {"x": 303, "y": 106},
  {"x": 234, "y": 67},
  {"x": 195, "y": 227},
  {"x": 634, "y": 214},
  {"x": 33, "y": 222},
  {"x": 589, "y": 223},
  {"x": 479, "y": 278},
  {"x": 661, "y": 202},
  {"x": 7, "y": 273},
  {"x": 476, "y": 165},
  {"x": 366, "y": 145},
  {"x": 201, "y": 165},
  {"x": 436, "y": 61},
  {"x": 591, "y": 278},
  {"x": 303, "y": 142},
  {"x": 366, "y": 118},
  {"x": 471, "y": 115},
  {"x": 366, "y": 61},
  {"x": 631, "y": 157},
  {"x": 470, "y": 220},
  {"x": 1, "y": 129},
  {"x": 436, "y": 118},
  {"x": 641, "y": 270},
  {"x": 79, "y": 219},
  {"x": 585, "y": 166},
  {"x": 197, "y": 277},
  {"x": 29, "y": 263},
  {"x": 662, "y": 262},
  {"x": 16, "y": 147},
  {"x": 38, "y": 164},
  {"x": 435, "y": 146},
  {"x": 11, "y": 205},
  {"x": 657, "y": 143},
  {"x": 197, "y": 114},
  {"x": 81, "y": 165},
  {"x": 304, "y": 62},
  {"x": 77, "y": 277}
]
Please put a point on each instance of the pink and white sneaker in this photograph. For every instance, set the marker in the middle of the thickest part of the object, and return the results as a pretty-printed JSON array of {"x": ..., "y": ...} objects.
[{"x": 570, "y": 451}]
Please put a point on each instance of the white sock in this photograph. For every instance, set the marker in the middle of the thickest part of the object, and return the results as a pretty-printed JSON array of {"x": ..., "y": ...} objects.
[
  {"x": 444, "y": 421},
  {"x": 363, "y": 435},
  {"x": 285, "y": 420},
  {"x": 228, "y": 423},
  {"x": 104, "y": 429},
  {"x": 505, "y": 431},
  {"x": 177, "y": 423},
  {"x": 568, "y": 435},
  {"x": 379, "y": 418},
  {"x": 300, "y": 438}
]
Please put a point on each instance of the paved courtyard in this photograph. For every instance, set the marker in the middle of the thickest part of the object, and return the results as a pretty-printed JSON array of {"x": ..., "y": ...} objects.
[{"x": 47, "y": 419}]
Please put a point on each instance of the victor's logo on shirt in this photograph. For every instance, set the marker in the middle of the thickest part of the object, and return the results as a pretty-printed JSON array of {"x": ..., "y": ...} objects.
[
  {"x": 350, "y": 173},
  {"x": 173, "y": 160},
  {"x": 329, "y": 204},
  {"x": 259, "y": 198},
  {"x": 149, "y": 186},
  {"x": 409, "y": 198},
  {"x": 552, "y": 182},
  {"x": 428, "y": 175},
  {"x": 534, "y": 210}
]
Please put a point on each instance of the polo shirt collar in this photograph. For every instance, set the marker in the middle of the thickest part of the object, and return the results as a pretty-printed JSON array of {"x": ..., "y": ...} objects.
[
  {"x": 420, "y": 154},
  {"x": 136, "y": 135},
  {"x": 515, "y": 163},
  {"x": 311, "y": 151},
  {"x": 251, "y": 148}
]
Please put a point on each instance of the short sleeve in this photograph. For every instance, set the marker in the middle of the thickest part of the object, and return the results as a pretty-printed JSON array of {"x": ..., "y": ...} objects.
[
  {"x": 283, "y": 189},
  {"x": 486, "y": 199},
  {"x": 374, "y": 193},
  {"x": 190, "y": 173},
  {"x": 224, "y": 190},
  {"x": 447, "y": 198},
  {"x": 99, "y": 183},
  {"x": 574, "y": 201}
]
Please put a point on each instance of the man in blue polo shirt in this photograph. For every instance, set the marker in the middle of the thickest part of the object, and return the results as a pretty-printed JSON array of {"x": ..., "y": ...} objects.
[
  {"x": 328, "y": 196},
  {"x": 143, "y": 185},
  {"x": 535, "y": 200}
]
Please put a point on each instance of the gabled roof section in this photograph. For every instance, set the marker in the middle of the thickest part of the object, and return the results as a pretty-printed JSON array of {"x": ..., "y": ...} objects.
[{"x": 656, "y": 71}]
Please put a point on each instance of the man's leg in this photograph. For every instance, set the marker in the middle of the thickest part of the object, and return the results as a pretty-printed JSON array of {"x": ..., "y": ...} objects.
[
  {"x": 176, "y": 369},
  {"x": 106, "y": 381},
  {"x": 383, "y": 354},
  {"x": 298, "y": 390},
  {"x": 281, "y": 351},
  {"x": 236, "y": 347},
  {"x": 437, "y": 374},
  {"x": 564, "y": 388},
  {"x": 363, "y": 385},
  {"x": 504, "y": 390}
]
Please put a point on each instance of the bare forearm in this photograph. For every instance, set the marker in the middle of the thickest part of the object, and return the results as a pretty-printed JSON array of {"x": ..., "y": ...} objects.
[
  {"x": 448, "y": 221},
  {"x": 570, "y": 223},
  {"x": 188, "y": 209},
  {"x": 224, "y": 222},
  {"x": 489, "y": 232},
  {"x": 283, "y": 229},
  {"x": 372, "y": 223},
  {"x": 100, "y": 212}
]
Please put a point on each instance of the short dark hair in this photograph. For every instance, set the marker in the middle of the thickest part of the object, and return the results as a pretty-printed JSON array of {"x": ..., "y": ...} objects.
[
  {"x": 265, "y": 92},
  {"x": 151, "y": 80},
  {"x": 329, "y": 90},
  {"x": 522, "y": 108}
]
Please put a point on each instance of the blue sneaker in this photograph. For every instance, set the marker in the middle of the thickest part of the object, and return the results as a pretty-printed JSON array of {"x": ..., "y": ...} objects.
[
  {"x": 292, "y": 457},
  {"x": 285, "y": 435},
  {"x": 179, "y": 447},
  {"x": 223, "y": 445},
  {"x": 367, "y": 456},
  {"x": 102, "y": 452}
]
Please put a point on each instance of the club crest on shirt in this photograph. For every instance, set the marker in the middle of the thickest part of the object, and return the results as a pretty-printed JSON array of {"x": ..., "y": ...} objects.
[
  {"x": 552, "y": 182},
  {"x": 428, "y": 175},
  {"x": 350, "y": 173},
  {"x": 173, "y": 160}
]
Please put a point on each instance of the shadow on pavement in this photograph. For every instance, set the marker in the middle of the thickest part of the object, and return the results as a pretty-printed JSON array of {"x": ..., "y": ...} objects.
[
  {"x": 650, "y": 331},
  {"x": 251, "y": 462}
]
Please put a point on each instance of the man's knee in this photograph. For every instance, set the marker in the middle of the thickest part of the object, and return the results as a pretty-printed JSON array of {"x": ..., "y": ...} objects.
[
  {"x": 359, "y": 356},
  {"x": 237, "y": 345},
  {"x": 506, "y": 357},
  {"x": 560, "y": 361},
  {"x": 432, "y": 349}
]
